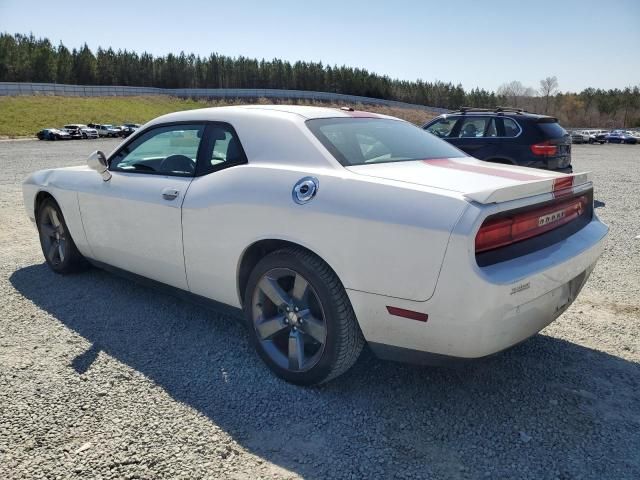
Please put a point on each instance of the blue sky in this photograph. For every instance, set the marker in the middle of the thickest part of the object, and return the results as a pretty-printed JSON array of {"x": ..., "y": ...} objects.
[{"x": 475, "y": 43}]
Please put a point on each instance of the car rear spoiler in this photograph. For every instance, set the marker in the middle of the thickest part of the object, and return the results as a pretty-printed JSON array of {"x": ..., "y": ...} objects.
[{"x": 558, "y": 186}]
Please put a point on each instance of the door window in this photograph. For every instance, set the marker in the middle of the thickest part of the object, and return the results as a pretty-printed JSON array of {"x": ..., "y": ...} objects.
[
  {"x": 473, "y": 127},
  {"x": 170, "y": 150},
  {"x": 443, "y": 127}
]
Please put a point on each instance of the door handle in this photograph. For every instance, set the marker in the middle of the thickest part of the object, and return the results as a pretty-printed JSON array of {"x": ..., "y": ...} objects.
[{"x": 170, "y": 193}]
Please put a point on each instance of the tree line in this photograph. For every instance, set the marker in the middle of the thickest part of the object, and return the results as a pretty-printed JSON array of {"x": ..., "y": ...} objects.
[{"x": 25, "y": 58}]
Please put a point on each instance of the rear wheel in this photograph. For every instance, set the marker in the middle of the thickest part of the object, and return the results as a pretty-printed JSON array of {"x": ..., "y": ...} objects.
[
  {"x": 300, "y": 319},
  {"x": 59, "y": 249}
]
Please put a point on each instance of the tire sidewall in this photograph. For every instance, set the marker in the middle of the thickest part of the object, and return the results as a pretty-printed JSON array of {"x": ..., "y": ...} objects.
[
  {"x": 68, "y": 244},
  {"x": 322, "y": 369}
]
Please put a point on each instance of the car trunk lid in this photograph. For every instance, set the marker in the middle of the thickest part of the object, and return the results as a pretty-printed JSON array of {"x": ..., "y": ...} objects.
[{"x": 476, "y": 180}]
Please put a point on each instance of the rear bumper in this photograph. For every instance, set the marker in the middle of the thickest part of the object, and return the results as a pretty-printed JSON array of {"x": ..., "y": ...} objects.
[{"x": 476, "y": 312}]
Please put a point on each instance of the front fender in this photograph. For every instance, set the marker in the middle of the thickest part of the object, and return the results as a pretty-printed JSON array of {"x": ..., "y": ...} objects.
[{"x": 61, "y": 184}]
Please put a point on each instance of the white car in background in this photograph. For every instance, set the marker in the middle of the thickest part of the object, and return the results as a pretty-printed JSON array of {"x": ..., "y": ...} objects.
[
  {"x": 579, "y": 136},
  {"x": 107, "y": 130},
  {"x": 82, "y": 130},
  {"x": 329, "y": 228},
  {"x": 594, "y": 136}
]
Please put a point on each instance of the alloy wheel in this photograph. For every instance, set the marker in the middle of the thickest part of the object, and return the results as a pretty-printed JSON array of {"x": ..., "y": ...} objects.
[
  {"x": 53, "y": 235},
  {"x": 289, "y": 320}
]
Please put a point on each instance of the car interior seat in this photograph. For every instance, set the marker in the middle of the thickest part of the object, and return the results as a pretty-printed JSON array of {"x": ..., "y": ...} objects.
[{"x": 469, "y": 130}]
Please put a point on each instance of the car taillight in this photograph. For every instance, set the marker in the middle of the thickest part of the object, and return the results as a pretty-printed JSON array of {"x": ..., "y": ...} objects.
[
  {"x": 503, "y": 231},
  {"x": 545, "y": 149}
]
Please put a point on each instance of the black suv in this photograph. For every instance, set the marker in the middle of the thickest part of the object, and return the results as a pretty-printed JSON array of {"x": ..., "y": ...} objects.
[{"x": 506, "y": 135}]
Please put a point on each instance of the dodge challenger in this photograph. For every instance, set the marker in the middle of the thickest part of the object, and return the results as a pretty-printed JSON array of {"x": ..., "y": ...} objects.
[{"x": 328, "y": 229}]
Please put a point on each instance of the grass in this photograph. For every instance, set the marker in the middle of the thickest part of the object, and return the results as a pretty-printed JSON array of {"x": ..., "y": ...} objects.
[{"x": 24, "y": 116}]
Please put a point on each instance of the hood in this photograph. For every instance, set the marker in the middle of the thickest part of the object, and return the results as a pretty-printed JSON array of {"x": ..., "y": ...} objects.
[{"x": 476, "y": 180}]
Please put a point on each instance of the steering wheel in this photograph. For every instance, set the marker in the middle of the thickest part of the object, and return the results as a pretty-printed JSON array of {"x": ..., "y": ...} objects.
[{"x": 178, "y": 163}]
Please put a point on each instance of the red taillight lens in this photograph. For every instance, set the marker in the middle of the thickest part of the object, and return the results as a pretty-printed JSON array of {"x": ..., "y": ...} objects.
[
  {"x": 503, "y": 231},
  {"x": 544, "y": 149}
]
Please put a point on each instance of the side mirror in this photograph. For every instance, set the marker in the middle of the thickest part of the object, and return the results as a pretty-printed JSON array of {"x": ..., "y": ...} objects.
[{"x": 98, "y": 162}]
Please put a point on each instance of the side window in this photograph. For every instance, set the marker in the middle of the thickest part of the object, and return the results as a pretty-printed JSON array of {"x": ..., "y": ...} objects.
[
  {"x": 223, "y": 149},
  {"x": 170, "y": 150},
  {"x": 443, "y": 127},
  {"x": 511, "y": 128},
  {"x": 473, "y": 127}
]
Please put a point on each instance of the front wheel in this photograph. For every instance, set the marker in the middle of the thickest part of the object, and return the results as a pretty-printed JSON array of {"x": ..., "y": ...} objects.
[
  {"x": 59, "y": 249},
  {"x": 300, "y": 319}
]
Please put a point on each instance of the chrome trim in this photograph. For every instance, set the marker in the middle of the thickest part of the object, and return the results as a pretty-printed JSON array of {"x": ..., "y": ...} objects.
[{"x": 305, "y": 189}]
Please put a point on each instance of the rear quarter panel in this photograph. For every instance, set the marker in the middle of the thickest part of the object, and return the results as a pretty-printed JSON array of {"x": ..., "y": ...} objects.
[{"x": 380, "y": 237}]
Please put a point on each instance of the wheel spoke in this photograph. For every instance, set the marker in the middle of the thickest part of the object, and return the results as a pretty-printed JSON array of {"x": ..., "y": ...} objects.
[
  {"x": 273, "y": 291},
  {"x": 312, "y": 326},
  {"x": 300, "y": 285},
  {"x": 53, "y": 249},
  {"x": 270, "y": 327},
  {"x": 296, "y": 350},
  {"x": 55, "y": 221},
  {"x": 61, "y": 250},
  {"x": 48, "y": 230}
]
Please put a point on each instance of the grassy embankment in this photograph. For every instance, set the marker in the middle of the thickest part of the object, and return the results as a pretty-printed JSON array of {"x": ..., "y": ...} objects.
[{"x": 24, "y": 116}]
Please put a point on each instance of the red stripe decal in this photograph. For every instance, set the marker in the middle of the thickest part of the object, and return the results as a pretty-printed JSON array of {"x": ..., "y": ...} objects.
[
  {"x": 410, "y": 314},
  {"x": 562, "y": 186},
  {"x": 493, "y": 172}
]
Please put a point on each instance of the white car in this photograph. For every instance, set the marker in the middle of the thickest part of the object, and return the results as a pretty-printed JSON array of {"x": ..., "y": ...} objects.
[
  {"x": 580, "y": 136},
  {"x": 81, "y": 131},
  {"x": 329, "y": 228},
  {"x": 107, "y": 130}
]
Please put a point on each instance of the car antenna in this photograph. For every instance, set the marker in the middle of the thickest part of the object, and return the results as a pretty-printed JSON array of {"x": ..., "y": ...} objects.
[{"x": 347, "y": 109}]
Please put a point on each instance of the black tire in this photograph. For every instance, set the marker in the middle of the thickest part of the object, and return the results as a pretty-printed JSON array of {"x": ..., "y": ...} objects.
[
  {"x": 344, "y": 340},
  {"x": 58, "y": 247}
]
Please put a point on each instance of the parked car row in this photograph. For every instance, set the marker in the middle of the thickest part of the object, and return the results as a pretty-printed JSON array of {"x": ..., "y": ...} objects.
[
  {"x": 79, "y": 131},
  {"x": 604, "y": 136}
]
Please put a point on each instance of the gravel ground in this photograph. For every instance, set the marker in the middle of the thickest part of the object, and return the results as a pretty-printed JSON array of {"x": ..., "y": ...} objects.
[{"x": 103, "y": 378}]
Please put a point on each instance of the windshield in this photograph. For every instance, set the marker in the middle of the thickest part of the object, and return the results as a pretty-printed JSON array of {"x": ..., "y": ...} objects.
[{"x": 358, "y": 141}]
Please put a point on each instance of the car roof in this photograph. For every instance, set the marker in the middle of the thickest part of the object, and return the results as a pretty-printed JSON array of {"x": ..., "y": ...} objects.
[{"x": 294, "y": 112}]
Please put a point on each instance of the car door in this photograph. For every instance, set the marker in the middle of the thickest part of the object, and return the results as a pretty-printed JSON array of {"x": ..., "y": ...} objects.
[
  {"x": 212, "y": 215},
  {"x": 133, "y": 221},
  {"x": 475, "y": 136}
]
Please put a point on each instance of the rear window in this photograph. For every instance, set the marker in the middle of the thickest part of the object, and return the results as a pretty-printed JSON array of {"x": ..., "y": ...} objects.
[
  {"x": 359, "y": 141},
  {"x": 552, "y": 129}
]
